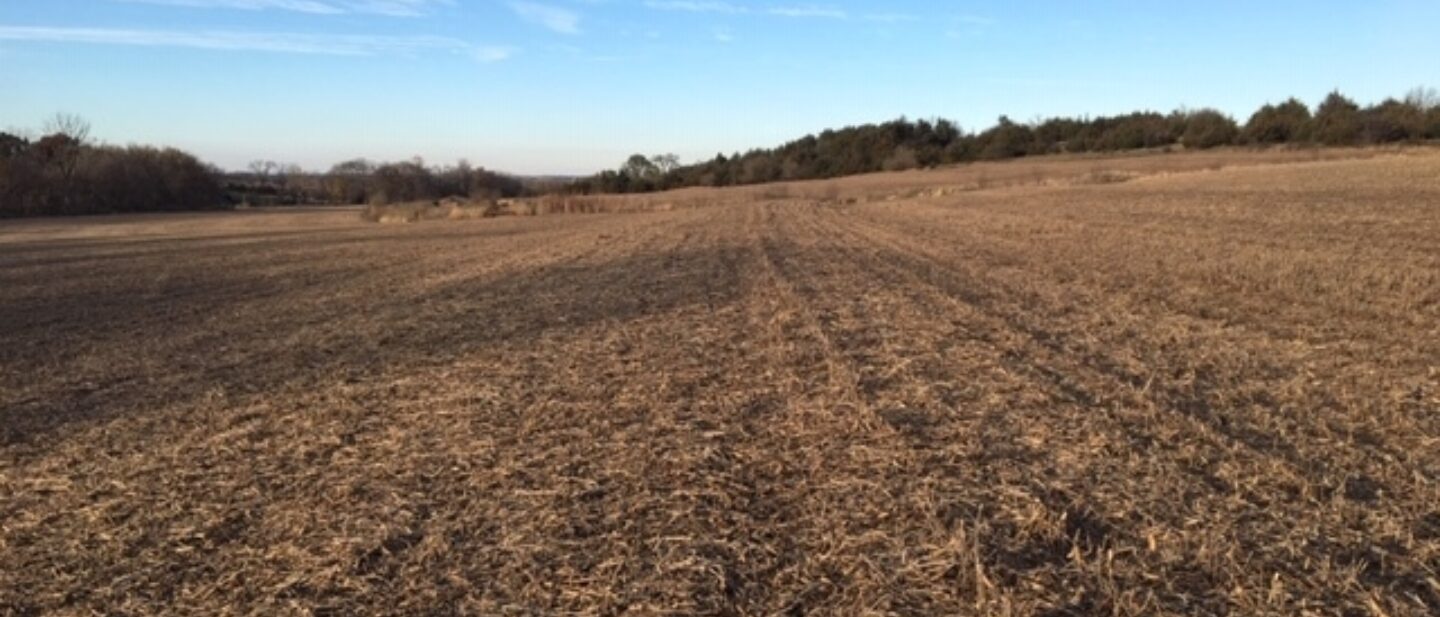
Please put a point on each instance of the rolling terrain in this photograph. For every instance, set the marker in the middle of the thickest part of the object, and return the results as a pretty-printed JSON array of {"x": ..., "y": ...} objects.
[{"x": 1199, "y": 392}]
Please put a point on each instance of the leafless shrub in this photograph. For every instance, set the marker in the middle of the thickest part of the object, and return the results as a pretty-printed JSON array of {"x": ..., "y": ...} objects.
[
  {"x": 402, "y": 213},
  {"x": 1106, "y": 176}
]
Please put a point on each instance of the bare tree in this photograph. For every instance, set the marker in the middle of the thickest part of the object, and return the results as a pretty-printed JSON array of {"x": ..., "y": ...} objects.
[
  {"x": 1423, "y": 98},
  {"x": 69, "y": 125},
  {"x": 65, "y": 138},
  {"x": 640, "y": 168},
  {"x": 288, "y": 176},
  {"x": 666, "y": 163},
  {"x": 263, "y": 168},
  {"x": 353, "y": 167},
  {"x": 462, "y": 176}
]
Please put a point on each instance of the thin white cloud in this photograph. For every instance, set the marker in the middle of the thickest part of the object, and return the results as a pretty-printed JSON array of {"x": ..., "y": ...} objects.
[
  {"x": 276, "y": 42},
  {"x": 723, "y": 35},
  {"x": 968, "y": 26},
  {"x": 728, "y": 8},
  {"x": 808, "y": 11},
  {"x": 891, "y": 18},
  {"x": 299, "y": 6},
  {"x": 586, "y": 55},
  {"x": 397, "y": 8},
  {"x": 695, "y": 6},
  {"x": 393, "y": 8},
  {"x": 564, "y": 21},
  {"x": 492, "y": 53}
]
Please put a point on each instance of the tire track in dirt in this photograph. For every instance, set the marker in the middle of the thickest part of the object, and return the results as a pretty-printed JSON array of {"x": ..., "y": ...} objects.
[
  {"x": 1079, "y": 434},
  {"x": 1301, "y": 282},
  {"x": 1019, "y": 442},
  {"x": 684, "y": 446},
  {"x": 1055, "y": 362},
  {"x": 832, "y": 443},
  {"x": 1003, "y": 298},
  {"x": 909, "y": 474},
  {"x": 1268, "y": 422}
]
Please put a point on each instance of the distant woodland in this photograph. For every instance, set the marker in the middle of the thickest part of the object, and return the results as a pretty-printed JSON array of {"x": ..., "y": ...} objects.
[
  {"x": 360, "y": 181},
  {"x": 909, "y": 144},
  {"x": 64, "y": 172}
]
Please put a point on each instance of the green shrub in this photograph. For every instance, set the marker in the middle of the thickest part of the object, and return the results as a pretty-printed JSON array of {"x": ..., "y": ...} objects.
[
  {"x": 1337, "y": 121},
  {"x": 1278, "y": 124},
  {"x": 1006, "y": 140},
  {"x": 1136, "y": 131},
  {"x": 1208, "y": 128},
  {"x": 1393, "y": 121}
]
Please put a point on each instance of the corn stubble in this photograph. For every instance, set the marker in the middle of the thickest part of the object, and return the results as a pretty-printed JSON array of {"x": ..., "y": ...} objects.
[{"x": 1197, "y": 394}]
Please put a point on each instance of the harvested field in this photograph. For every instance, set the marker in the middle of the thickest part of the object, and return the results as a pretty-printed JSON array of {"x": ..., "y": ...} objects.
[
  {"x": 1058, "y": 170},
  {"x": 1197, "y": 393}
]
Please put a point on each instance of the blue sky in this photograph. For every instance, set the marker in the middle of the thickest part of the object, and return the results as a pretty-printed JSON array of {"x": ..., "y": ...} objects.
[{"x": 571, "y": 86}]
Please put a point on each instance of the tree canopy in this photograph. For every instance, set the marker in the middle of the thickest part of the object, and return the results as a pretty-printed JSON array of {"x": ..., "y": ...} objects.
[{"x": 904, "y": 144}]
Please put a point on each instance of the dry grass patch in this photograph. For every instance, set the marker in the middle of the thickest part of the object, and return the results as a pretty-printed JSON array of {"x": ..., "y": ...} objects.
[{"x": 448, "y": 209}]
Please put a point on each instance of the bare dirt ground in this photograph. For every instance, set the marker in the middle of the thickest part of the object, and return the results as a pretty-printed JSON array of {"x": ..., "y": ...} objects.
[{"x": 1201, "y": 393}]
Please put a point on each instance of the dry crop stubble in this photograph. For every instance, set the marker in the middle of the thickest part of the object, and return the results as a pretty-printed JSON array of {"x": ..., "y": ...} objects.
[{"x": 1209, "y": 392}]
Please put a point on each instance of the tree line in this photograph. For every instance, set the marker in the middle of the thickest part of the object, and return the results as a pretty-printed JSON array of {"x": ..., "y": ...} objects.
[
  {"x": 360, "y": 181},
  {"x": 64, "y": 173},
  {"x": 905, "y": 144}
]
